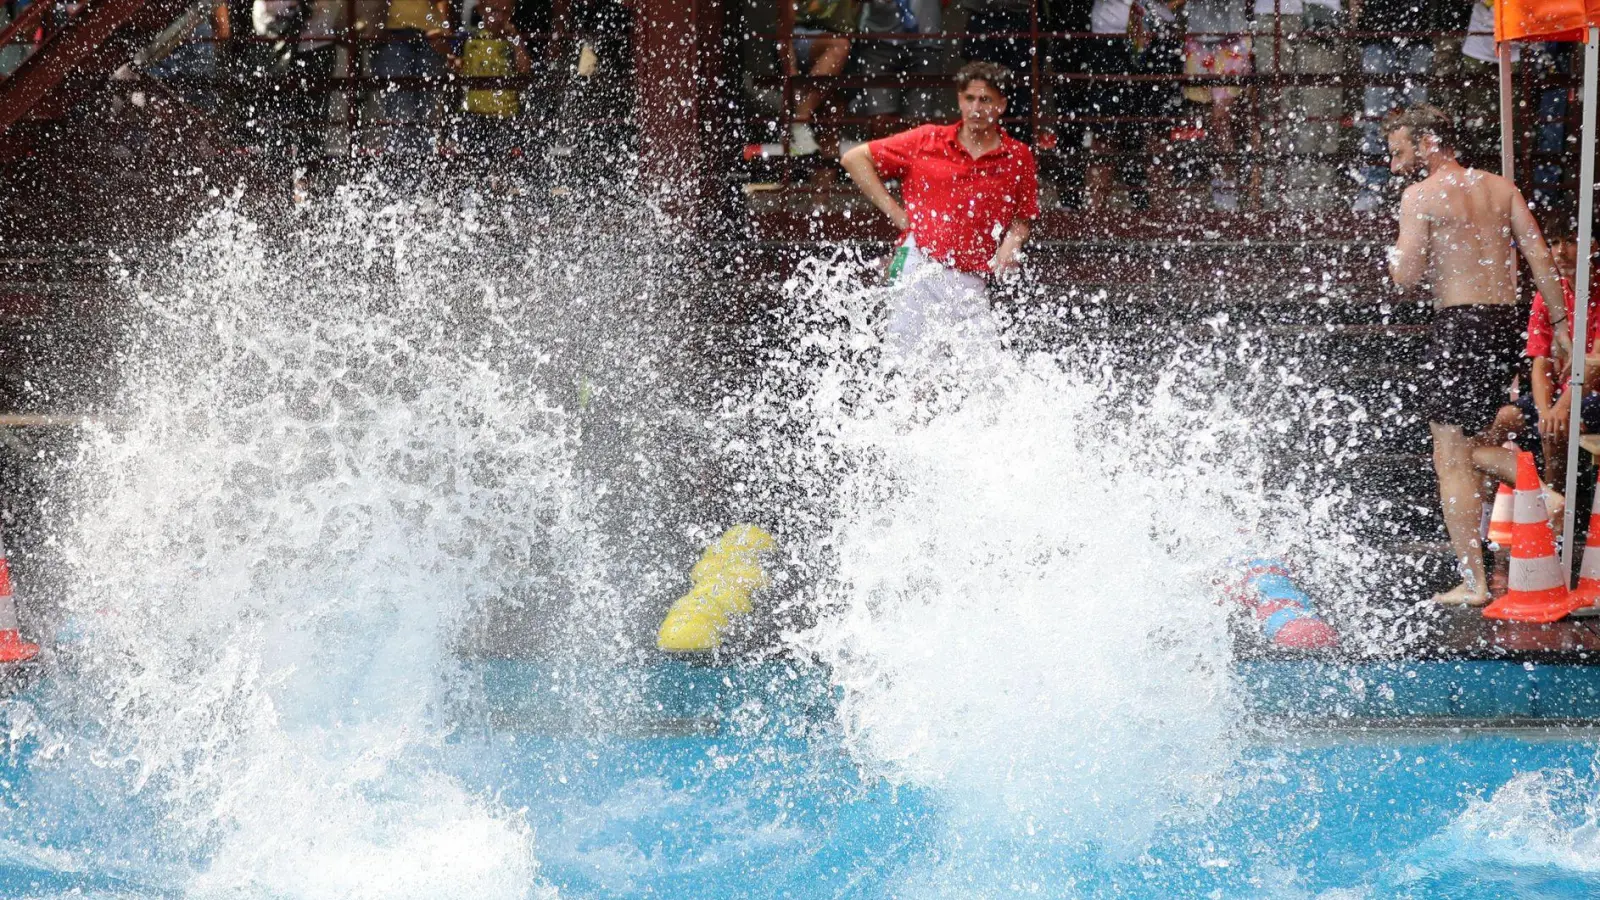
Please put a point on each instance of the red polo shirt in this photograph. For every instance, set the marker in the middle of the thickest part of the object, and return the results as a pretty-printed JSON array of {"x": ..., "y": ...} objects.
[{"x": 959, "y": 207}]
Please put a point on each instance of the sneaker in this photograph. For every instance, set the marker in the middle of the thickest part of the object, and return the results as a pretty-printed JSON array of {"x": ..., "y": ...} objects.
[{"x": 802, "y": 141}]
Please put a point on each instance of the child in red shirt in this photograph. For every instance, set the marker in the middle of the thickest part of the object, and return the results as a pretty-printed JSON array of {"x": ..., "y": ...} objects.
[{"x": 1539, "y": 418}]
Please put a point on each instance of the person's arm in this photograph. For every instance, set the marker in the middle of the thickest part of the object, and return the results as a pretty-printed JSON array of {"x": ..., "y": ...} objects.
[
  {"x": 1526, "y": 231},
  {"x": 857, "y": 161},
  {"x": 521, "y": 61},
  {"x": 1544, "y": 388},
  {"x": 1009, "y": 255},
  {"x": 1408, "y": 258},
  {"x": 439, "y": 35}
]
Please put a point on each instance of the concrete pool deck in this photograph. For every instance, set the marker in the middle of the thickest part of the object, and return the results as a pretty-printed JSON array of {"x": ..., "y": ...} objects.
[
  {"x": 1464, "y": 671},
  {"x": 679, "y": 697},
  {"x": 1449, "y": 633}
]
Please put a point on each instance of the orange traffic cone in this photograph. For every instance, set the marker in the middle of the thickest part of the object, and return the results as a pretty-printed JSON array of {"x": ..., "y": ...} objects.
[
  {"x": 1587, "y": 593},
  {"x": 1538, "y": 586},
  {"x": 1500, "y": 520}
]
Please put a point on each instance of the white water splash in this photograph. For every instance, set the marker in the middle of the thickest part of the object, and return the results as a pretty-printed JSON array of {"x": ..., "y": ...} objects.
[
  {"x": 331, "y": 453},
  {"x": 1018, "y": 615},
  {"x": 1548, "y": 819}
]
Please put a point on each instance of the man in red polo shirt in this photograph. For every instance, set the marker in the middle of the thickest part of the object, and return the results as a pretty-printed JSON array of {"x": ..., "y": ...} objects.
[{"x": 971, "y": 194}]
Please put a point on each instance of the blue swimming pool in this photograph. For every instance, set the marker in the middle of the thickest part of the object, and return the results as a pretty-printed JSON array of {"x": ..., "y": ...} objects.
[{"x": 730, "y": 782}]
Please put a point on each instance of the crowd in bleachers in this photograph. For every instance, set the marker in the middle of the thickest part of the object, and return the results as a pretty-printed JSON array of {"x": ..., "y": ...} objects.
[
  {"x": 1120, "y": 85},
  {"x": 307, "y": 78},
  {"x": 1115, "y": 89}
]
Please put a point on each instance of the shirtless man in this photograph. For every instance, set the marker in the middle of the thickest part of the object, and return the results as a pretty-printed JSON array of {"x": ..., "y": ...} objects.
[{"x": 1462, "y": 228}]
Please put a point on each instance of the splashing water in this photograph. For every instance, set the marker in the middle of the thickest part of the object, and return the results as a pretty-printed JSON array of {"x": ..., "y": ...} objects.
[
  {"x": 345, "y": 456},
  {"x": 1016, "y": 605},
  {"x": 1548, "y": 819},
  {"x": 331, "y": 454}
]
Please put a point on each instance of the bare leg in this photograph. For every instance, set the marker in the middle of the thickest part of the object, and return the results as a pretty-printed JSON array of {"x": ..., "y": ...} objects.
[
  {"x": 1460, "y": 486},
  {"x": 828, "y": 56},
  {"x": 1553, "y": 445},
  {"x": 1507, "y": 421},
  {"x": 1222, "y": 131},
  {"x": 1496, "y": 462},
  {"x": 1501, "y": 464},
  {"x": 1097, "y": 178}
]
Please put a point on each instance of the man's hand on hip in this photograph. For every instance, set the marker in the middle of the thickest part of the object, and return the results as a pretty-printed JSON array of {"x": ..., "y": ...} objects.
[{"x": 1006, "y": 261}]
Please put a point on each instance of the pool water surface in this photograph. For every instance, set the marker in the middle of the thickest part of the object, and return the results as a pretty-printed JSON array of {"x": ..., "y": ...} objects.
[{"x": 713, "y": 783}]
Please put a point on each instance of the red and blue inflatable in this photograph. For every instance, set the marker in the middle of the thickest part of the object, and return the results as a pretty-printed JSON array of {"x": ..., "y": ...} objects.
[{"x": 1263, "y": 586}]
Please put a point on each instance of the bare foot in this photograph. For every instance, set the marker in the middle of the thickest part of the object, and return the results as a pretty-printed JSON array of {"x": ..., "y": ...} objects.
[
  {"x": 1461, "y": 595},
  {"x": 1556, "y": 506}
]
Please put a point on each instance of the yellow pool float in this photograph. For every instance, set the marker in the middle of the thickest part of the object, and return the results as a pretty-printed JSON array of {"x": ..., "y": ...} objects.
[{"x": 722, "y": 584}]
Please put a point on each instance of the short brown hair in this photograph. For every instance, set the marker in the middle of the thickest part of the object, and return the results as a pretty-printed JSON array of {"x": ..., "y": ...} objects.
[
  {"x": 1559, "y": 228},
  {"x": 992, "y": 74},
  {"x": 1424, "y": 119}
]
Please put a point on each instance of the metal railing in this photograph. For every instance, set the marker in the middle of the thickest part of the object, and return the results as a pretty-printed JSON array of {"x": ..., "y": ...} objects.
[{"x": 32, "y": 27}]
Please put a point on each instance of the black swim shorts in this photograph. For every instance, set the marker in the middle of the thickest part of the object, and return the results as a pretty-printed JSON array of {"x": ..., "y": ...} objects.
[{"x": 1473, "y": 350}]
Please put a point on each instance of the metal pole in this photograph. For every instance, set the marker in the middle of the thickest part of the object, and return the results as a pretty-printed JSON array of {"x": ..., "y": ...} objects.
[
  {"x": 1508, "y": 153},
  {"x": 787, "y": 104},
  {"x": 1035, "y": 68},
  {"x": 1580, "y": 302}
]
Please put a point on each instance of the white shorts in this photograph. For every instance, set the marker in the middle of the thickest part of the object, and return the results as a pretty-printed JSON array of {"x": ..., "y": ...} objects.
[{"x": 936, "y": 311}]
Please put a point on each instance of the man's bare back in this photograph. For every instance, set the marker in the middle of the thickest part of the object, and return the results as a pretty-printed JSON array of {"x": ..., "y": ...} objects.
[{"x": 1463, "y": 218}]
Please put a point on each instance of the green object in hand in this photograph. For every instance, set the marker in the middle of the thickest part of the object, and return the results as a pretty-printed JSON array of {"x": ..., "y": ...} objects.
[{"x": 897, "y": 263}]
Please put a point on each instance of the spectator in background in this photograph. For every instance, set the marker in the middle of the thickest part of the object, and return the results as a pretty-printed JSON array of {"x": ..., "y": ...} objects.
[
  {"x": 1392, "y": 55},
  {"x": 415, "y": 46},
  {"x": 1297, "y": 37},
  {"x": 584, "y": 129},
  {"x": 1127, "y": 44},
  {"x": 914, "y": 57},
  {"x": 998, "y": 17},
  {"x": 491, "y": 49},
  {"x": 312, "y": 63},
  {"x": 969, "y": 197},
  {"x": 1216, "y": 45},
  {"x": 187, "y": 49},
  {"x": 1473, "y": 86},
  {"x": 278, "y": 104},
  {"x": 821, "y": 30}
]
